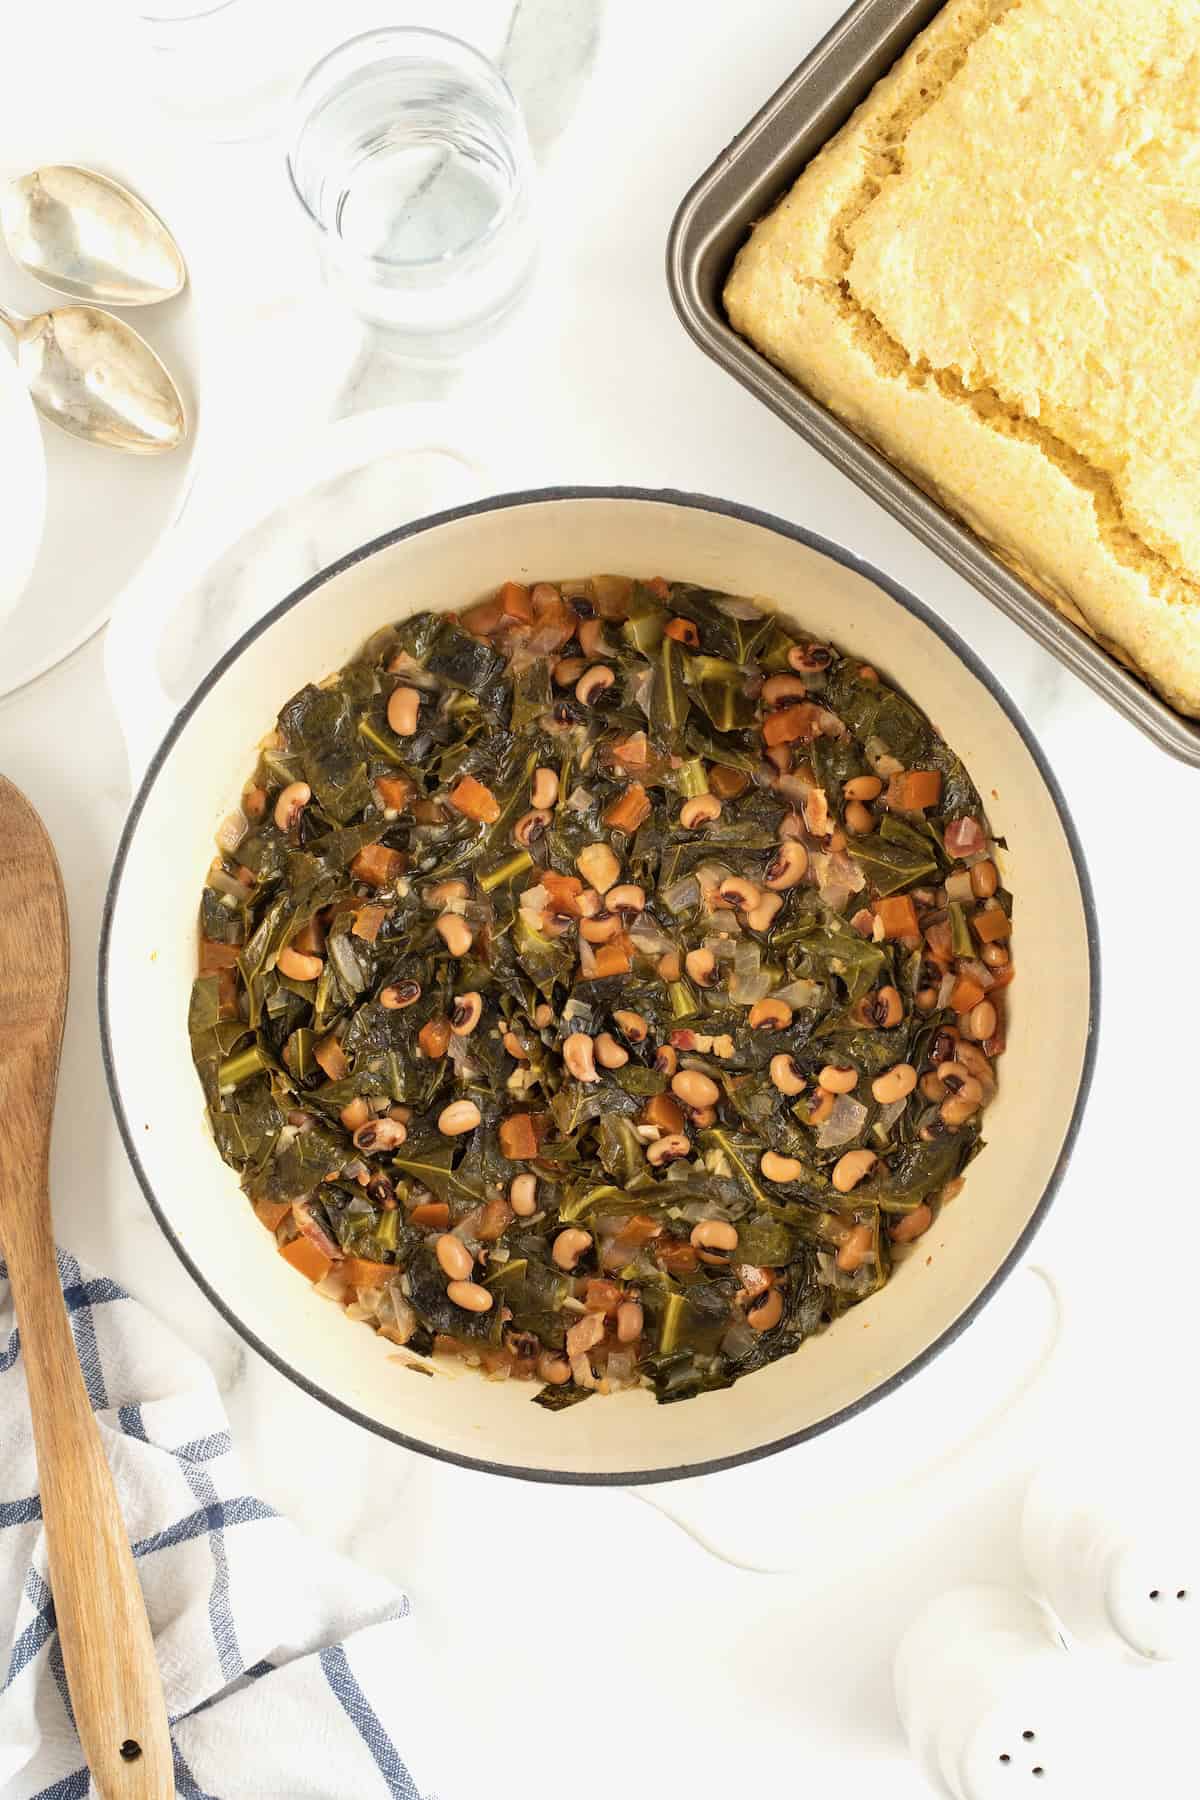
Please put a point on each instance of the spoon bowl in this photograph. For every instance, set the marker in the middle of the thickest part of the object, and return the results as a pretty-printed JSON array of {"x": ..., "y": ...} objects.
[
  {"x": 93, "y": 376},
  {"x": 86, "y": 236}
]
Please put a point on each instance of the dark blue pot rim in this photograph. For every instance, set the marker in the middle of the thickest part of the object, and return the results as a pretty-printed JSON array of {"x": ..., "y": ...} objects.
[{"x": 813, "y": 541}]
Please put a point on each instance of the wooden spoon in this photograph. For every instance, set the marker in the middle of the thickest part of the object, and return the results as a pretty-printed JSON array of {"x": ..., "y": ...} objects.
[{"x": 107, "y": 1648}]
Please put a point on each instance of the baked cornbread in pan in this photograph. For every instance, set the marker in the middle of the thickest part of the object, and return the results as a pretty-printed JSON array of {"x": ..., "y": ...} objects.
[{"x": 993, "y": 273}]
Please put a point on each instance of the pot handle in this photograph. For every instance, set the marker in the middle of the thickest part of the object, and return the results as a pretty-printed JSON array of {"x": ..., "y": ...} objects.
[{"x": 222, "y": 510}]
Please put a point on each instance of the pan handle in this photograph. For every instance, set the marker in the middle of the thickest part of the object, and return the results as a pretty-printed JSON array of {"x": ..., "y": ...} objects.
[{"x": 174, "y": 620}]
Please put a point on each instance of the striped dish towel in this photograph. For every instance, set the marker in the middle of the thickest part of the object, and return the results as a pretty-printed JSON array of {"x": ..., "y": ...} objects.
[{"x": 288, "y": 1671}]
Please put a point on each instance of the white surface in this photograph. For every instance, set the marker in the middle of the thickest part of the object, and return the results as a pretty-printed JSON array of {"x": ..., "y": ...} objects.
[
  {"x": 789, "y": 1675},
  {"x": 105, "y": 511},
  {"x": 24, "y": 464}
]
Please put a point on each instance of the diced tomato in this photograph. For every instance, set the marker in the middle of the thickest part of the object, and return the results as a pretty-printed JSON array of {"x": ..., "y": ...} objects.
[
  {"x": 305, "y": 1256},
  {"x": 630, "y": 809},
  {"x": 898, "y": 916},
  {"x": 377, "y": 866},
  {"x": 475, "y": 801}
]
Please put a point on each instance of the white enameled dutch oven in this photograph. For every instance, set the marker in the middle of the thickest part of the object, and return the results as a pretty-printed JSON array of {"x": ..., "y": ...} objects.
[{"x": 148, "y": 950}]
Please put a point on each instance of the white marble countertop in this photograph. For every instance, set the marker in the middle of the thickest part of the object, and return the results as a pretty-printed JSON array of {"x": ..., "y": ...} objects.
[{"x": 699, "y": 1673}]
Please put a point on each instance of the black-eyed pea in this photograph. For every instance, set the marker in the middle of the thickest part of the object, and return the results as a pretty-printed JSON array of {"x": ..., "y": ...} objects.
[
  {"x": 629, "y": 1321},
  {"x": 469, "y": 1295},
  {"x": 785, "y": 1075},
  {"x": 531, "y": 826},
  {"x": 857, "y": 1246},
  {"x": 404, "y": 703},
  {"x": 739, "y": 893},
  {"x": 628, "y": 897},
  {"x": 666, "y": 1059},
  {"x": 543, "y": 790},
  {"x": 298, "y": 966},
  {"x": 769, "y": 1015},
  {"x": 291, "y": 804},
  {"x": 714, "y": 1234},
  {"x": 858, "y": 819},
  {"x": 912, "y": 1225},
  {"x": 780, "y": 1168},
  {"x": 670, "y": 1148},
  {"x": 701, "y": 966},
  {"x": 579, "y": 1056},
  {"x": 592, "y": 684},
  {"x": 609, "y": 1054},
  {"x": 863, "y": 788},
  {"x": 788, "y": 866},
  {"x": 932, "y": 1087},
  {"x": 838, "y": 1078},
  {"x": 699, "y": 811},
  {"x": 852, "y": 1168},
  {"x": 466, "y": 1013},
  {"x": 569, "y": 1246},
  {"x": 455, "y": 933},
  {"x": 695, "y": 1089},
  {"x": 981, "y": 1022},
  {"x": 459, "y": 1117},
  {"x": 522, "y": 1195},
  {"x": 355, "y": 1113},
  {"x": 633, "y": 1026},
  {"x": 984, "y": 880},
  {"x": 896, "y": 1083},
  {"x": 768, "y": 1312},
  {"x": 453, "y": 1257},
  {"x": 819, "y": 1106},
  {"x": 553, "y": 1369}
]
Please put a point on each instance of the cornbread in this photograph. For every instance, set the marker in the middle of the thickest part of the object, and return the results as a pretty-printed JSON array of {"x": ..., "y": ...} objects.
[{"x": 993, "y": 273}]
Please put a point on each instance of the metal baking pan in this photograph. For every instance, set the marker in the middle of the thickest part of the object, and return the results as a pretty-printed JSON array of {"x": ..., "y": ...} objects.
[{"x": 744, "y": 182}]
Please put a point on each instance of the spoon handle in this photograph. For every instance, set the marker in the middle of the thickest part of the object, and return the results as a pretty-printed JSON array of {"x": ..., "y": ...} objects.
[{"x": 108, "y": 1652}]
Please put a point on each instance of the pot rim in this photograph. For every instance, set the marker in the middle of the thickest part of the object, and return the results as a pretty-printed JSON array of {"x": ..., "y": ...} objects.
[{"x": 836, "y": 553}]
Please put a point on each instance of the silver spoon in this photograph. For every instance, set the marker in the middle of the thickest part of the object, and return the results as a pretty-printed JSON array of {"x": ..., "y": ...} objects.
[
  {"x": 85, "y": 235},
  {"x": 93, "y": 376}
]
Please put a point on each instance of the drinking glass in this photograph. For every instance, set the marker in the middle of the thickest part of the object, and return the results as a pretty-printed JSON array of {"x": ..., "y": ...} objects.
[{"x": 410, "y": 157}]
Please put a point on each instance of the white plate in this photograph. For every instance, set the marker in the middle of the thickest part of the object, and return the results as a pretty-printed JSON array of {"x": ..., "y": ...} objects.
[{"x": 24, "y": 504}]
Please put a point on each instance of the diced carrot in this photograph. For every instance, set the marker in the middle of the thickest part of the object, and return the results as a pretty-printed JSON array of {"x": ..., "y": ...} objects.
[
  {"x": 664, "y": 1111},
  {"x": 965, "y": 994},
  {"x": 395, "y": 790},
  {"x": 897, "y": 915},
  {"x": 683, "y": 631},
  {"x": 612, "y": 959},
  {"x": 564, "y": 891},
  {"x": 272, "y": 1212},
  {"x": 659, "y": 587},
  {"x": 914, "y": 789},
  {"x": 434, "y": 1215},
  {"x": 310, "y": 939},
  {"x": 630, "y": 809},
  {"x": 482, "y": 619},
  {"x": 632, "y": 752},
  {"x": 515, "y": 602},
  {"x": 475, "y": 801},
  {"x": 518, "y": 1139},
  {"x": 377, "y": 866},
  {"x": 434, "y": 1037},
  {"x": 992, "y": 926},
  {"x": 640, "y": 1228},
  {"x": 305, "y": 1256},
  {"x": 367, "y": 921},
  {"x": 361, "y": 1273},
  {"x": 791, "y": 723},
  {"x": 332, "y": 1058},
  {"x": 214, "y": 956}
]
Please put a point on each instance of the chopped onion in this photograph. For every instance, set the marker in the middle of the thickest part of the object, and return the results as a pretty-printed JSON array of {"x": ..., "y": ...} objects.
[
  {"x": 341, "y": 955},
  {"x": 681, "y": 894},
  {"x": 227, "y": 884},
  {"x": 969, "y": 965},
  {"x": 946, "y": 989},
  {"x": 735, "y": 607},
  {"x": 739, "y": 1340},
  {"x": 958, "y": 885},
  {"x": 837, "y": 877},
  {"x": 535, "y": 899},
  {"x": 844, "y": 1122},
  {"x": 891, "y": 1112},
  {"x": 587, "y": 960},
  {"x": 750, "y": 981},
  {"x": 800, "y": 993},
  {"x": 648, "y": 939},
  {"x": 619, "y": 1368},
  {"x": 643, "y": 691},
  {"x": 230, "y": 832},
  {"x": 579, "y": 799}
]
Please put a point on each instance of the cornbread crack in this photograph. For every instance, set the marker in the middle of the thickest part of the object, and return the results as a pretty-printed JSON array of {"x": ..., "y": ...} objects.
[{"x": 992, "y": 272}]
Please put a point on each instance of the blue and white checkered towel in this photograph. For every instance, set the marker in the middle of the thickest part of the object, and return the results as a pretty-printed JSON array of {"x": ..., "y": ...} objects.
[{"x": 289, "y": 1673}]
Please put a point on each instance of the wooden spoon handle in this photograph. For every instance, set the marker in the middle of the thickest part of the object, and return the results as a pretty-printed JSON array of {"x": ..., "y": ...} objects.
[{"x": 108, "y": 1652}]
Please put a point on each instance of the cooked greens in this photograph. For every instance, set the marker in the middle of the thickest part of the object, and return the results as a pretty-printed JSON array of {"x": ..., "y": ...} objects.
[{"x": 601, "y": 985}]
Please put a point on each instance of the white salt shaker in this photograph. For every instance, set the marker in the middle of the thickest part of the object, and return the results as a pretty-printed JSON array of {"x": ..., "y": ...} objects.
[
  {"x": 993, "y": 1705},
  {"x": 1109, "y": 1546}
]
